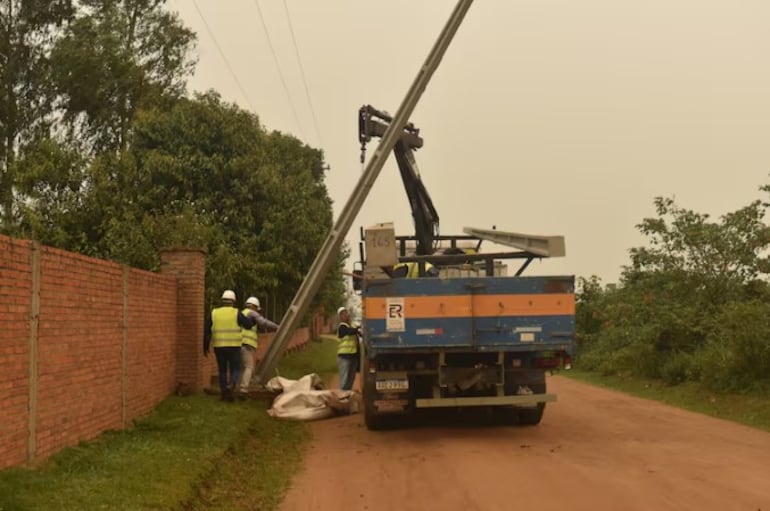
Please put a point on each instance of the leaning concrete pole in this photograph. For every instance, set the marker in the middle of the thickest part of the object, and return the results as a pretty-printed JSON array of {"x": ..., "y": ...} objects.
[{"x": 330, "y": 250}]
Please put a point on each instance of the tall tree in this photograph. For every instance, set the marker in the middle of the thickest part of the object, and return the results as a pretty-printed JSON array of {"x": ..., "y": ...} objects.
[
  {"x": 715, "y": 259},
  {"x": 692, "y": 304},
  {"x": 118, "y": 57},
  {"x": 28, "y": 30},
  {"x": 205, "y": 171}
]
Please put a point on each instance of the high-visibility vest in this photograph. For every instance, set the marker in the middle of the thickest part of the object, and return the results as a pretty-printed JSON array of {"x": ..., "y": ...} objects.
[
  {"x": 249, "y": 336},
  {"x": 347, "y": 345},
  {"x": 225, "y": 331},
  {"x": 413, "y": 269}
]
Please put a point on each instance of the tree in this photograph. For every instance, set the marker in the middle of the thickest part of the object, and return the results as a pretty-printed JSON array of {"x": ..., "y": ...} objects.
[
  {"x": 104, "y": 155},
  {"x": 28, "y": 30},
  {"x": 687, "y": 305},
  {"x": 118, "y": 57},
  {"x": 206, "y": 172},
  {"x": 50, "y": 182},
  {"x": 715, "y": 259}
]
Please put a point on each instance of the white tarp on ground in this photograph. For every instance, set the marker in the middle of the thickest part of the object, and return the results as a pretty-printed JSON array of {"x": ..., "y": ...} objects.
[{"x": 306, "y": 399}]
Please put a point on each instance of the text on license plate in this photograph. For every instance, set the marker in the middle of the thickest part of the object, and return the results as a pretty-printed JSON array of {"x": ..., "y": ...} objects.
[{"x": 392, "y": 385}]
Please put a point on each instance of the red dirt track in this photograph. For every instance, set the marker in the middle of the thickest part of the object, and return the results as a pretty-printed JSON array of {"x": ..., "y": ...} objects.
[{"x": 595, "y": 450}]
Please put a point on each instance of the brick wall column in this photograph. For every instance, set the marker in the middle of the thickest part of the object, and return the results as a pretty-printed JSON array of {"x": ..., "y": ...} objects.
[{"x": 188, "y": 265}]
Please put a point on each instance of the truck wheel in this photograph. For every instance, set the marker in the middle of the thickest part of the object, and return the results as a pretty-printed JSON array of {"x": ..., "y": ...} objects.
[
  {"x": 535, "y": 380},
  {"x": 530, "y": 416},
  {"x": 373, "y": 421}
]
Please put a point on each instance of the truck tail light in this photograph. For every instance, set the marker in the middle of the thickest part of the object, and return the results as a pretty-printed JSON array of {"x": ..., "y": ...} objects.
[
  {"x": 567, "y": 362},
  {"x": 372, "y": 367},
  {"x": 546, "y": 363}
]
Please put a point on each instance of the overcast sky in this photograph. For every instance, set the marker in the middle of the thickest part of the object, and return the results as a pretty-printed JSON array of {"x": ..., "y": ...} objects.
[{"x": 557, "y": 117}]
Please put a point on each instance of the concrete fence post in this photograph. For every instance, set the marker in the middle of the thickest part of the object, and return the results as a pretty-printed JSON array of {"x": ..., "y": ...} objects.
[
  {"x": 124, "y": 349},
  {"x": 34, "y": 323}
]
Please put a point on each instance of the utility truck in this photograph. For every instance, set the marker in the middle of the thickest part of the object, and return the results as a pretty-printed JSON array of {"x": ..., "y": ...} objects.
[{"x": 469, "y": 335}]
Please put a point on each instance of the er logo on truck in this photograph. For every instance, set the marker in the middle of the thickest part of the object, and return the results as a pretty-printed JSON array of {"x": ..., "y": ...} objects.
[
  {"x": 394, "y": 320},
  {"x": 395, "y": 310}
]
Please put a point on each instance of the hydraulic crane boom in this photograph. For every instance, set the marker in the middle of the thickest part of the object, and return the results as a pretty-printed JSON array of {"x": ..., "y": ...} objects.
[
  {"x": 331, "y": 248},
  {"x": 373, "y": 123}
]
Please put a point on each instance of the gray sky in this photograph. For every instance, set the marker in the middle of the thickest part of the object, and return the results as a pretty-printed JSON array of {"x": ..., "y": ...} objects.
[{"x": 546, "y": 116}]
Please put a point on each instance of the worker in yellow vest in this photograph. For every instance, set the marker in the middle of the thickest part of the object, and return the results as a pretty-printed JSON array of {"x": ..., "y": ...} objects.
[
  {"x": 249, "y": 339},
  {"x": 223, "y": 333},
  {"x": 347, "y": 349},
  {"x": 411, "y": 270}
]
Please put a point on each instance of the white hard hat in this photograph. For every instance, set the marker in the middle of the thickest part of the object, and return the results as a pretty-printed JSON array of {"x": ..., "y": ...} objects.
[
  {"x": 253, "y": 300},
  {"x": 339, "y": 311},
  {"x": 229, "y": 295}
]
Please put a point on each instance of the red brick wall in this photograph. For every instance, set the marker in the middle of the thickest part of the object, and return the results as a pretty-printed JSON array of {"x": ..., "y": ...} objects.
[
  {"x": 85, "y": 345},
  {"x": 151, "y": 361},
  {"x": 189, "y": 268},
  {"x": 88, "y": 345},
  {"x": 79, "y": 360},
  {"x": 15, "y": 292}
]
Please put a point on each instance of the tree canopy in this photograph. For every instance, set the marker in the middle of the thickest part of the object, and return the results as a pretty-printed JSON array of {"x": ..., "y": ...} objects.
[
  {"x": 694, "y": 304},
  {"x": 105, "y": 153}
]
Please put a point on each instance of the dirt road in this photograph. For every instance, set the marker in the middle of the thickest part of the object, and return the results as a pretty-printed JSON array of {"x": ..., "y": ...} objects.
[{"x": 594, "y": 450}]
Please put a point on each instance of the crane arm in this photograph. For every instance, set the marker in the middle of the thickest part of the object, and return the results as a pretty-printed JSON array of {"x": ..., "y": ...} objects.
[{"x": 373, "y": 123}]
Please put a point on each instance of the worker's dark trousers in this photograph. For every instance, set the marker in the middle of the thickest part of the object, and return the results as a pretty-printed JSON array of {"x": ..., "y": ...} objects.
[
  {"x": 347, "y": 366},
  {"x": 228, "y": 358}
]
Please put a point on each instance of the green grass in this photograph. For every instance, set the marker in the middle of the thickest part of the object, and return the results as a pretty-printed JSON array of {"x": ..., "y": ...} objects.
[
  {"x": 191, "y": 453},
  {"x": 749, "y": 409},
  {"x": 320, "y": 358}
]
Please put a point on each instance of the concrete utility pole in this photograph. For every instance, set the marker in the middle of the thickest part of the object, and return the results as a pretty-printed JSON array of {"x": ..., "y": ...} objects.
[{"x": 331, "y": 247}]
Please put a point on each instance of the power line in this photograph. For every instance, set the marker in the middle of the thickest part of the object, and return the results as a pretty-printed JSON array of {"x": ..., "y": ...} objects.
[
  {"x": 222, "y": 54},
  {"x": 302, "y": 72},
  {"x": 278, "y": 66}
]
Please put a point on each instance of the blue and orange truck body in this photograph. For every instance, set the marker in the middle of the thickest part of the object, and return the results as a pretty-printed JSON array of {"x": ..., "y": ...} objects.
[{"x": 468, "y": 341}]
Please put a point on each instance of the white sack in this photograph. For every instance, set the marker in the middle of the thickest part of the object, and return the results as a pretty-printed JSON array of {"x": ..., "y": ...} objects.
[{"x": 306, "y": 399}]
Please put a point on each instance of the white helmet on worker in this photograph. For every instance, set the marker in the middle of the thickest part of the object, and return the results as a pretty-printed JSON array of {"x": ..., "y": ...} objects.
[
  {"x": 253, "y": 300},
  {"x": 341, "y": 310},
  {"x": 229, "y": 295}
]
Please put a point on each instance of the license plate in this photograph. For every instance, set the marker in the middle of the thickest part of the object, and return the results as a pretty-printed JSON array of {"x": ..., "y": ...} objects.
[
  {"x": 392, "y": 385},
  {"x": 395, "y": 405}
]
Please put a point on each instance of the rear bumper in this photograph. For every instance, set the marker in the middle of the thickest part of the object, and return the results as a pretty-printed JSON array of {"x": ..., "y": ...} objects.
[{"x": 440, "y": 402}]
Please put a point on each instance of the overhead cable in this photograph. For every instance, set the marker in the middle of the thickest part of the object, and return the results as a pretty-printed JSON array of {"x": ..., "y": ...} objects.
[
  {"x": 302, "y": 72},
  {"x": 224, "y": 57},
  {"x": 278, "y": 66}
]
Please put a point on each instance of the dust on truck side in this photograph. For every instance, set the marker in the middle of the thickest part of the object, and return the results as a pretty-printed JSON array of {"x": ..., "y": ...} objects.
[{"x": 470, "y": 336}]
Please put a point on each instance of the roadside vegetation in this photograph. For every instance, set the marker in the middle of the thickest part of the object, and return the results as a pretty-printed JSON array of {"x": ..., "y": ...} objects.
[
  {"x": 751, "y": 409},
  {"x": 191, "y": 453},
  {"x": 689, "y": 320}
]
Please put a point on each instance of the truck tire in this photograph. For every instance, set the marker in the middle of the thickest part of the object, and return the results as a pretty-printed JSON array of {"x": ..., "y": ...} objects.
[
  {"x": 373, "y": 420},
  {"x": 535, "y": 380},
  {"x": 530, "y": 416}
]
